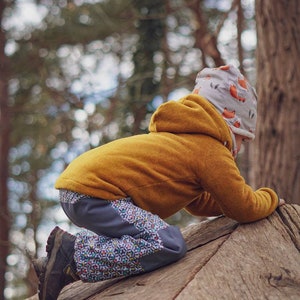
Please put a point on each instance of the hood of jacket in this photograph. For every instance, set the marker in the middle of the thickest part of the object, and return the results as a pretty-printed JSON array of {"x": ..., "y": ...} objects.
[{"x": 192, "y": 114}]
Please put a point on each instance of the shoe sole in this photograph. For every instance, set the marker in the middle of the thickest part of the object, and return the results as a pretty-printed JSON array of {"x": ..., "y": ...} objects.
[
  {"x": 39, "y": 265},
  {"x": 53, "y": 244}
]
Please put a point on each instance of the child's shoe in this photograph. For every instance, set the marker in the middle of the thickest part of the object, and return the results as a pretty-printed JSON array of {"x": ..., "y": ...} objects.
[
  {"x": 39, "y": 265},
  {"x": 59, "y": 268}
]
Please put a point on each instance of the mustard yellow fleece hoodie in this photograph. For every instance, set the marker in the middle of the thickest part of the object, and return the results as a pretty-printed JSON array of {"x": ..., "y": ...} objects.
[{"x": 184, "y": 162}]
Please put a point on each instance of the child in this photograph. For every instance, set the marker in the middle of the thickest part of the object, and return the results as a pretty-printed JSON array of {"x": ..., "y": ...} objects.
[{"x": 121, "y": 192}]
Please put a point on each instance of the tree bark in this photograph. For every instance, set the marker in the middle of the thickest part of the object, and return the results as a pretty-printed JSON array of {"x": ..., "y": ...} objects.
[{"x": 278, "y": 76}]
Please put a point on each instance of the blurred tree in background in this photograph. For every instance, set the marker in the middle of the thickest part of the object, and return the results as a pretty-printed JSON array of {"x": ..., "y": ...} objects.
[
  {"x": 5, "y": 123},
  {"x": 85, "y": 73}
]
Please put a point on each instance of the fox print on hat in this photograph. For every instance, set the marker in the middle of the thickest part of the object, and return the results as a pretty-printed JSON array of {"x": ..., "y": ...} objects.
[{"x": 232, "y": 95}]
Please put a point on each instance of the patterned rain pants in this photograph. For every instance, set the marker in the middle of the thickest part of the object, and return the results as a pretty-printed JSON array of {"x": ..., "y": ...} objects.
[{"x": 119, "y": 238}]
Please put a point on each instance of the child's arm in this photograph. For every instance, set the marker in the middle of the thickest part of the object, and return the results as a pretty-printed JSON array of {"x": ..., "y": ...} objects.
[
  {"x": 235, "y": 198},
  {"x": 204, "y": 205}
]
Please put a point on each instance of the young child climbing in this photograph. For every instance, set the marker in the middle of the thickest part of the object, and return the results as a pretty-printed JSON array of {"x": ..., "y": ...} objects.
[{"x": 121, "y": 192}]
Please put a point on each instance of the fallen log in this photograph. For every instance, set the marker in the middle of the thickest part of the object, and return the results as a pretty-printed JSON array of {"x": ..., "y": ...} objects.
[{"x": 225, "y": 260}]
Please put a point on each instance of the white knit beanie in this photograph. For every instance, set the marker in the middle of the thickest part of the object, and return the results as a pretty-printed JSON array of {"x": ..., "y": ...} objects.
[{"x": 232, "y": 95}]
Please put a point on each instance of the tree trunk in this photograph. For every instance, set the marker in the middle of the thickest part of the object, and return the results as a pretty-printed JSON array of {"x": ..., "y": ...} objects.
[
  {"x": 278, "y": 76},
  {"x": 4, "y": 149}
]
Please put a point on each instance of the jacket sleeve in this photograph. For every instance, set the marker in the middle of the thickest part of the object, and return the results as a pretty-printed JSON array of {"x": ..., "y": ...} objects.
[
  {"x": 204, "y": 205},
  {"x": 227, "y": 187}
]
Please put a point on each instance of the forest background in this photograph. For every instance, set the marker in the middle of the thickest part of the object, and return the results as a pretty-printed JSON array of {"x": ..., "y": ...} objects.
[{"x": 77, "y": 74}]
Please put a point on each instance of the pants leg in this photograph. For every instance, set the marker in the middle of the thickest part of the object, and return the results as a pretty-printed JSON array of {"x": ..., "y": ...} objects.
[{"x": 122, "y": 239}]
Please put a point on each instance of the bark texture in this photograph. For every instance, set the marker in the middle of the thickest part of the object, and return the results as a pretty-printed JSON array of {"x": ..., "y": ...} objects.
[
  {"x": 225, "y": 260},
  {"x": 278, "y": 77}
]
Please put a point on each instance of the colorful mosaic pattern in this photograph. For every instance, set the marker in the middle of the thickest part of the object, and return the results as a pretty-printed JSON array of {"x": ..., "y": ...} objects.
[
  {"x": 99, "y": 257},
  {"x": 70, "y": 197}
]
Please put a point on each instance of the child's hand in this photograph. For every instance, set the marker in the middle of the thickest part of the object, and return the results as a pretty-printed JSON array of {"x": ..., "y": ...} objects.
[{"x": 281, "y": 202}]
